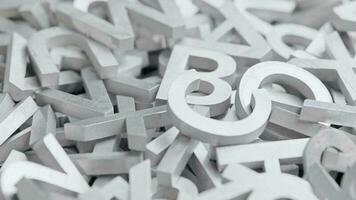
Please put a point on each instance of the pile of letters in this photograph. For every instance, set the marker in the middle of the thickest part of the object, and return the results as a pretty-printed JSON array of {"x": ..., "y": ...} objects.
[{"x": 177, "y": 99}]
